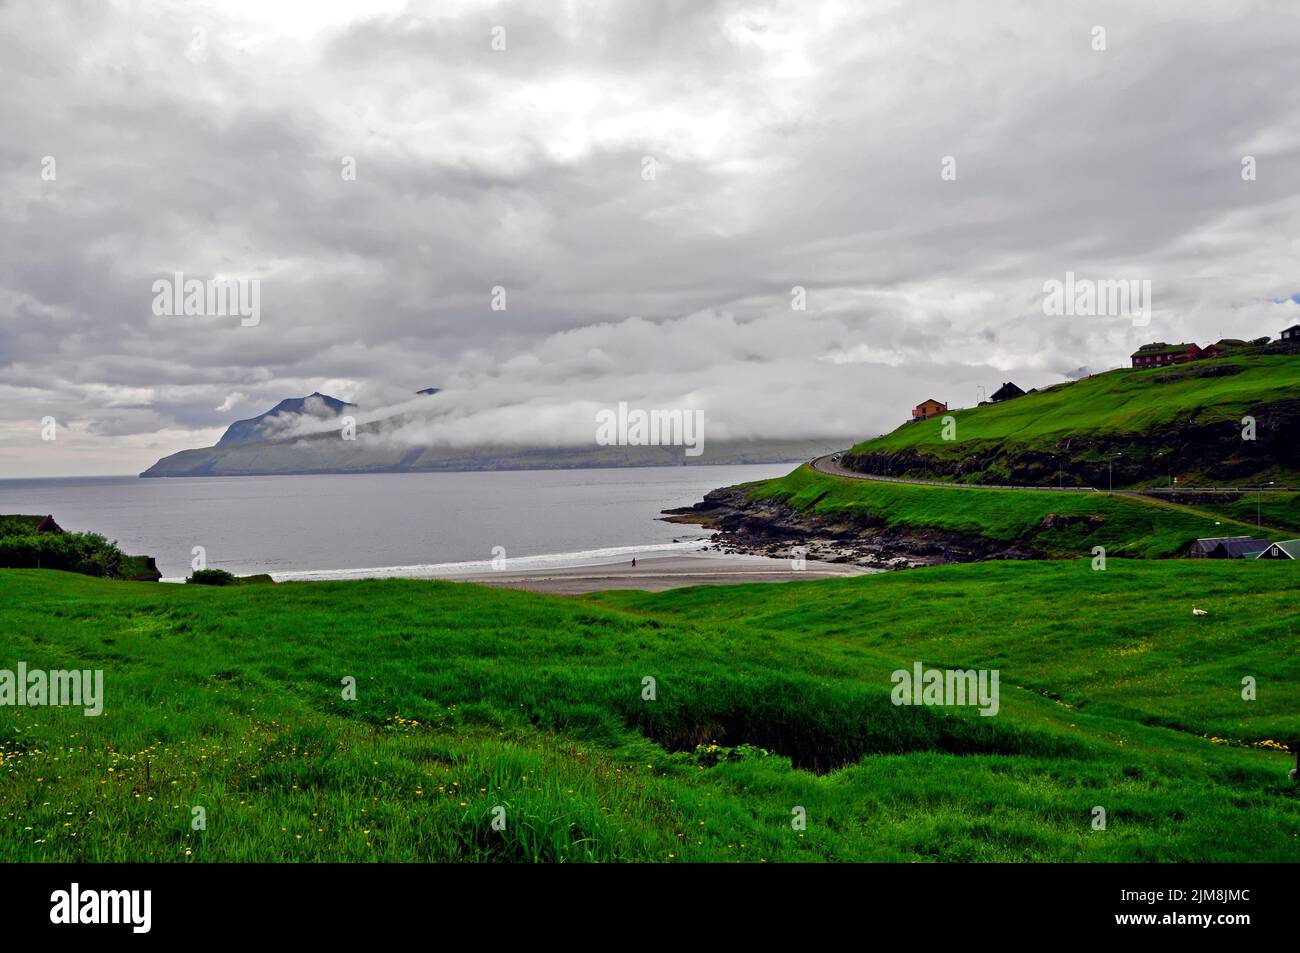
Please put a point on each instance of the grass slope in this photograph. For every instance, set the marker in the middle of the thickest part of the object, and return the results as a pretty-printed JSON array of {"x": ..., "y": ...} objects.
[
  {"x": 1270, "y": 509},
  {"x": 472, "y": 698},
  {"x": 1128, "y": 527},
  {"x": 1145, "y": 411}
]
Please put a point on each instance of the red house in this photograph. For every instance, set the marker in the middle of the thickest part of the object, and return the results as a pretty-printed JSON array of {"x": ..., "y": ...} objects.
[
  {"x": 928, "y": 408},
  {"x": 1221, "y": 347},
  {"x": 1160, "y": 354}
]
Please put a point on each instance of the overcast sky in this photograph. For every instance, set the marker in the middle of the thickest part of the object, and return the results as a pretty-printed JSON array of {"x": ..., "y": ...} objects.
[{"x": 792, "y": 144}]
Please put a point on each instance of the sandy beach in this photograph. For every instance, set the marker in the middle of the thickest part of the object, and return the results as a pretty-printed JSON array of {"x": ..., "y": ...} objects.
[
  {"x": 657, "y": 573},
  {"x": 664, "y": 567}
]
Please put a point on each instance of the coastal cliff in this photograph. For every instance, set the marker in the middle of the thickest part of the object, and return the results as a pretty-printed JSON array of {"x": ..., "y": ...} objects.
[
  {"x": 772, "y": 527},
  {"x": 893, "y": 525}
]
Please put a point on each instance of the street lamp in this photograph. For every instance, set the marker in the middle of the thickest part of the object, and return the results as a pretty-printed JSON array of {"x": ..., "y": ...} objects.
[
  {"x": 1169, "y": 465},
  {"x": 1110, "y": 471},
  {"x": 1259, "y": 493}
]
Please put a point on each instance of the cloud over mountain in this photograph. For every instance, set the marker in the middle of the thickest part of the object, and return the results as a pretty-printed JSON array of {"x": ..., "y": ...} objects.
[{"x": 792, "y": 144}]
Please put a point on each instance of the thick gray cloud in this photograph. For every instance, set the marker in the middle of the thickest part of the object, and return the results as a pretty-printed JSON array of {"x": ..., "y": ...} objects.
[{"x": 794, "y": 144}]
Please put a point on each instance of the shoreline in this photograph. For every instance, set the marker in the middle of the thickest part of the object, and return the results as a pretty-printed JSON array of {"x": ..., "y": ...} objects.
[
  {"x": 775, "y": 530},
  {"x": 658, "y": 568},
  {"x": 660, "y": 573}
]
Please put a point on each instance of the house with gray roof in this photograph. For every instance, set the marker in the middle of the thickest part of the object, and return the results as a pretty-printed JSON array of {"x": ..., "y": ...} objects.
[{"x": 1227, "y": 547}]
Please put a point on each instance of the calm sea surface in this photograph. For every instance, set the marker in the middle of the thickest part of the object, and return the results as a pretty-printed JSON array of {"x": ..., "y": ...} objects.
[{"x": 407, "y": 523}]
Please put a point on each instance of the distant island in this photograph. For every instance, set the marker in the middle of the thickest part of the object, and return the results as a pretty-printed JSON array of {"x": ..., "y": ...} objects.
[{"x": 272, "y": 444}]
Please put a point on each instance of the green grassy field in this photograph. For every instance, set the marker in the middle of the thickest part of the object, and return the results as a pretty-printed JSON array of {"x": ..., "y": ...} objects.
[
  {"x": 1128, "y": 527},
  {"x": 1146, "y": 413},
  {"x": 468, "y": 698}
]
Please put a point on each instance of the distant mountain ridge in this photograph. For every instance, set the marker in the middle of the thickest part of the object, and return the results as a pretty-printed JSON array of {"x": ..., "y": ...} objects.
[{"x": 269, "y": 444}]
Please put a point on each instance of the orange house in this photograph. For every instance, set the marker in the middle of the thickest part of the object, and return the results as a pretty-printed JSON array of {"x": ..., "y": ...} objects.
[{"x": 928, "y": 408}]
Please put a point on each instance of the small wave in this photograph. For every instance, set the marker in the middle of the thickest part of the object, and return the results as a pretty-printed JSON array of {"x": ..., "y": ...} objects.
[{"x": 587, "y": 557}]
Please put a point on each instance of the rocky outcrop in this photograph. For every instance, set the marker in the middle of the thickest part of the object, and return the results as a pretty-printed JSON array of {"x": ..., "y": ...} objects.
[
  {"x": 1070, "y": 520},
  {"x": 774, "y": 528}
]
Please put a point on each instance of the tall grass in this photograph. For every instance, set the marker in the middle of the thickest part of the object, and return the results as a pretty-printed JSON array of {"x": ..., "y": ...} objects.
[{"x": 469, "y": 700}]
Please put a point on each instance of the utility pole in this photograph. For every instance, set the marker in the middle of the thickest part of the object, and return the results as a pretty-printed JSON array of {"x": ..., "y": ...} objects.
[{"x": 1259, "y": 493}]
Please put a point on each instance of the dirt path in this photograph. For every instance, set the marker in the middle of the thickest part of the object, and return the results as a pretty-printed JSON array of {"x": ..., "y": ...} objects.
[{"x": 1204, "y": 514}]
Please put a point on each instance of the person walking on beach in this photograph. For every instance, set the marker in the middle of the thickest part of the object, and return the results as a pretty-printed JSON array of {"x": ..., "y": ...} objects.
[{"x": 633, "y": 562}]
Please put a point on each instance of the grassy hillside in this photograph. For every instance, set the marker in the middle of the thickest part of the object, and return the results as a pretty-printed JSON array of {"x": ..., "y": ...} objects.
[
  {"x": 469, "y": 698},
  {"x": 1123, "y": 525},
  {"x": 1272, "y": 509},
  {"x": 1180, "y": 421}
]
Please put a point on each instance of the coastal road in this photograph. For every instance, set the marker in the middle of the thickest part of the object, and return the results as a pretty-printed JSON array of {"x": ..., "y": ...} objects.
[{"x": 825, "y": 464}]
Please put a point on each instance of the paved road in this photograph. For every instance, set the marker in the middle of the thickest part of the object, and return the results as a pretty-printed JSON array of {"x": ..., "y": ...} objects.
[{"x": 826, "y": 465}]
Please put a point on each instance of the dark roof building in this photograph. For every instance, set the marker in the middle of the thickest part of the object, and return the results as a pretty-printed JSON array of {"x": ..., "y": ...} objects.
[
  {"x": 1006, "y": 392},
  {"x": 1291, "y": 334},
  {"x": 1221, "y": 347},
  {"x": 21, "y": 525},
  {"x": 1227, "y": 547},
  {"x": 1244, "y": 548}
]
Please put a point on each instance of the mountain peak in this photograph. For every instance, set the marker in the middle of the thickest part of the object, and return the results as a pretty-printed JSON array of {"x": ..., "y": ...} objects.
[{"x": 268, "y": 425}]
